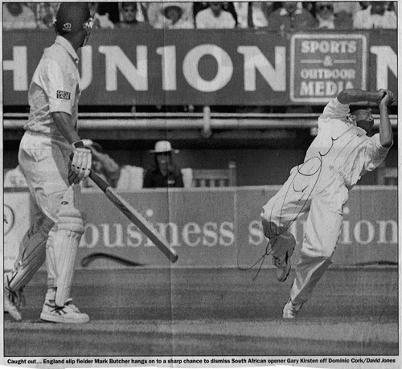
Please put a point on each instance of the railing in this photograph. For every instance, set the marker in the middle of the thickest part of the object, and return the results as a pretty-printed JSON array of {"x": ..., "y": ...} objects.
[{"x": 205, "y": 121}]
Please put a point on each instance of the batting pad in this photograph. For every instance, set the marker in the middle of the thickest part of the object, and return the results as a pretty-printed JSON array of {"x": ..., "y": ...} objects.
[
  {"x": 70, "y": 228},
  {"x": 32, "y": 256},
  {"x": 51, "y": 259}
]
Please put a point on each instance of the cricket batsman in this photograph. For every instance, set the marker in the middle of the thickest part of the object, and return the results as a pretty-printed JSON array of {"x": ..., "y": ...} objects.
[
  {"x": 340, "y": 154},
  {"x": 44, "y": 157}
]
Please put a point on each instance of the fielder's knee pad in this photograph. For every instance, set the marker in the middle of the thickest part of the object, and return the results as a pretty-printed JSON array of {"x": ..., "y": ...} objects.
[
  {"x": 70, "y": 227},
  {"x": 32, "y": 254}
]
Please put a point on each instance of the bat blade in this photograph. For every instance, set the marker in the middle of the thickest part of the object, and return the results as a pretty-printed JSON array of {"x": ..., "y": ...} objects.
[{"x": 136, "y": 218}]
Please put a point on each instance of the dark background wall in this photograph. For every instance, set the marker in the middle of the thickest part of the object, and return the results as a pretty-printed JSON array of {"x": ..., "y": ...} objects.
[{"x": 255, "y": 166}]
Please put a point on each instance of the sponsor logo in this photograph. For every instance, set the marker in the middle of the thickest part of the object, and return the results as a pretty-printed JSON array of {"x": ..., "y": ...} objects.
[
  {"x": 191, "y": 234},
  {"x": 63, "y": 95}
]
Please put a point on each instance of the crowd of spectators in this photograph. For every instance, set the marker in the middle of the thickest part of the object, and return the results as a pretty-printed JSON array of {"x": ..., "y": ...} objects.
[{"x": 286, "y": 16}]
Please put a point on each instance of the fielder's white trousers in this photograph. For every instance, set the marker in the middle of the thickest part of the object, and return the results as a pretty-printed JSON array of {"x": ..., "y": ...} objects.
[{"x": 322, "y": 196}]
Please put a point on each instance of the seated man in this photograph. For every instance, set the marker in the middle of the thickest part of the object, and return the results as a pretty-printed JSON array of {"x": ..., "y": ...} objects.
[
  {"x": 214, "y": 17},
  {"x": 165, "y": 173},
  {"x": 102, "y": 164},
  {"x": 173, "y": 17},
  {"x": 376, "y": 15},
  {"x": 290, "y": 17},
  {"x": 130, "y": 17},
  {"x": 327, "y": 19}
]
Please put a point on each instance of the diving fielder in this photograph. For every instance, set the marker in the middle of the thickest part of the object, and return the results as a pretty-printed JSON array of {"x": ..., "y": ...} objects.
[
  {"x": 50, "y": 138},
  {"x": 337, "y": 158}
]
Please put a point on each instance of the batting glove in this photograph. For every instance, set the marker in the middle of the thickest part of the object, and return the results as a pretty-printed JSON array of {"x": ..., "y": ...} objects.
[{"x": 81, "y": 162}]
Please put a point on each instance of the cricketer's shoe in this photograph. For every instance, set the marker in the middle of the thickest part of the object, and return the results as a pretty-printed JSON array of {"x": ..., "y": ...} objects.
[
  {"x": 10, "y": 308},
  {"x": 282, "y": 264},
  {"x": 290, "y": 310},
  {"x": 68, "y": 313}
]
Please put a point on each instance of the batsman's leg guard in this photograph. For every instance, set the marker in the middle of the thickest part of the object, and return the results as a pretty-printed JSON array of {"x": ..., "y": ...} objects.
[
  {"x": 32, "y": 255},
  {"x": 70, "y": 228},
  {"x": 51, "y": 259}
]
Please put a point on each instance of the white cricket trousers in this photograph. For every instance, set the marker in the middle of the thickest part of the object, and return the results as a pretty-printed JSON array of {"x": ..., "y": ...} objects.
[
  {"x": 322, "y": 197},
  {"x": 45, "y": 162}
]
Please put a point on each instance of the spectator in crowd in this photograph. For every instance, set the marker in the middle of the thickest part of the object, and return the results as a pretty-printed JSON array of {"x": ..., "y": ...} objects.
[
  {"x": 18, "y": 16},
  {"x": 46, "y": 12},
  {"x": 14, "y": 178},
  {"x": 327, "y": 19},
  {"x": 111, "y": 9},
  {"x": 102, "y": 164},
  {"x": 290, "y": 17},
  {"x": 376, "y": 15},
  {"x": 253, "y": 14},
  {"x": 215, "y": 17},
  {"x": 363, "y": 5},
  {"x": 345, "y": 8},
  {"x": 157, "y": 16},
  {"x": 130, "y": 18},
  {"x": 165, "y": 173},
  {"x": 124, "y": 178},
  {"x": 226, "y": 5},
  {"x": 100, "y": 21},
  {"x": 173, "y": 17}
]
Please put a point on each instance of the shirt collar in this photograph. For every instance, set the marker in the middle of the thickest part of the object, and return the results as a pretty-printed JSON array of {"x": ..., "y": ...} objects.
[{"x": 65, "y": 44}]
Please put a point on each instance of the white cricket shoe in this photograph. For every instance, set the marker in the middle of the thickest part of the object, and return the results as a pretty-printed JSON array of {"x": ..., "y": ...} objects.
[
  {"x": 290, "y": 310},
  {"x": 68, "y": 313},
  {"x": 10, "y": 308}
]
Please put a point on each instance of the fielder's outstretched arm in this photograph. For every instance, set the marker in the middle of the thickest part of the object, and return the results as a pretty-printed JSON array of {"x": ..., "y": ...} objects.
[
  {"x": 386, "y": 137},
  {"x": 350, "y": 96}
]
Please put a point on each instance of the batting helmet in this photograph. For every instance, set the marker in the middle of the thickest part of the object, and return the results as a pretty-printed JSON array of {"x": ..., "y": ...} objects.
[{"x": 72, "y": 17}]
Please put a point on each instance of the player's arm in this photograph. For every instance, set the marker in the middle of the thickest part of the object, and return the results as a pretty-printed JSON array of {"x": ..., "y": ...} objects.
[
  {"x": 64, "y": 125},
  {"x": 82, "y": 159},
  {"x": 349, "y": 96},
  {"x": 386, "y": 137}
]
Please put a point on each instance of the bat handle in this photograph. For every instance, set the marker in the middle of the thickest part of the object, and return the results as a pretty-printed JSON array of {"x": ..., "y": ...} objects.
[{"x": 103, "y": 185}]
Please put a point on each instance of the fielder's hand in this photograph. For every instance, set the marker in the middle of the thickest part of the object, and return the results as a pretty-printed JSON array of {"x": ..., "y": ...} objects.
[
  {"x": 387, "y": 97},
  {"x": 80, "y": 163}
]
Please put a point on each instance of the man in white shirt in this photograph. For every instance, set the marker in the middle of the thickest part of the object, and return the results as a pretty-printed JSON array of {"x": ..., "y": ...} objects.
[
  {"x": 214, "y": 17},
  {"x": 49, "y": 141},
  {"x": 336, "y": 159},
  {"x": 375, "y": 16}
]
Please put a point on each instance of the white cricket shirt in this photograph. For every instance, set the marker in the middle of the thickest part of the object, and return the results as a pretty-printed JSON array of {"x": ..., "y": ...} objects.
[
  {"x": 343, "y": 147},
  {"x": 54, "y": 88}
]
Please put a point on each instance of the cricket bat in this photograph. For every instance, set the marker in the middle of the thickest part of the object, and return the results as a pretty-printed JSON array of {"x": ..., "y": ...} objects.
[{"x": 135, "y": 217}]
